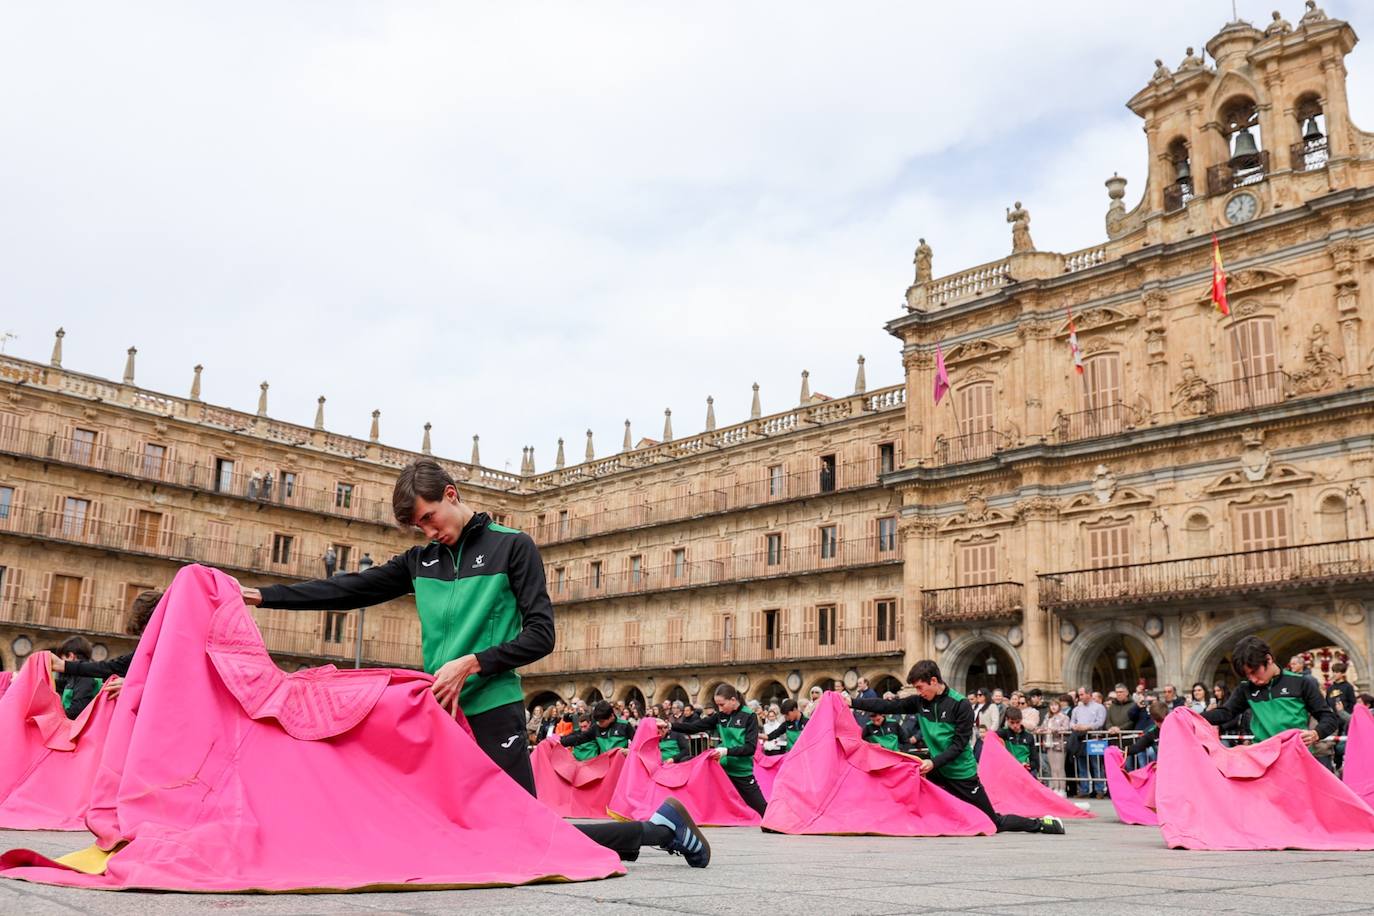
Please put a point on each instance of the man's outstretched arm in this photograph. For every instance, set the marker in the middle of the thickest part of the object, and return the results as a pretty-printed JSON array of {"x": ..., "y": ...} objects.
[{"x": 338, "y": 593}]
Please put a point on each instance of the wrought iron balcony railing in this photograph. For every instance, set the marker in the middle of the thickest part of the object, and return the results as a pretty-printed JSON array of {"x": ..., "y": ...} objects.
[
  {"x": 993, "y": 601},
  {"x": 1309, "y": 155},
  {"x": 1298, "y": 567},
  {"x": 970, "y": 446},
  {"x": 1107, "y": 420}
]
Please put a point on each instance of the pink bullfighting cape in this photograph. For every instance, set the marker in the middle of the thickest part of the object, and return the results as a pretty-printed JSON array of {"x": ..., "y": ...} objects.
[
  {"x": 836, "y": 782},
  {"x": 1358, "y": 771},
  {"x": 1133, "y": 792},
  {"x": 1271, "y": 795},
  {"x": 5, "y": 678},
  {"x": 222, "y": 773},
  {"x": 49, "y": 761},
  {"x": 1013, "y": 790},
  {"x": 766, "y": 767},
  {"x": 572, "y": 787},
  {"x": 700, "y": 784}
]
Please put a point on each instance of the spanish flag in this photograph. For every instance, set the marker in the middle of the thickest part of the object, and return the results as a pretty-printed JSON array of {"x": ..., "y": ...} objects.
[{"x": 1219, "y": 279}]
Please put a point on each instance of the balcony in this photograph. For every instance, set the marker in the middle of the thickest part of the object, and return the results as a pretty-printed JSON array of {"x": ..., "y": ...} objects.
[
  {"x": 1309, "y": 155},
  {"x": 1330, "y": 565},
  {"x": 973, "y": 446},
  {"x": 1177, "y": 195},
  {"x": 781, "y": 649},
  {"x": 194, "y": 475},
  {"x": 1240, "y": 171},
  {"x": 993, "y": 602},
  {"x": 1203, "y": 398},
  {"x": 1107, "y": 420},
  {"x": 734, "y": 569}
]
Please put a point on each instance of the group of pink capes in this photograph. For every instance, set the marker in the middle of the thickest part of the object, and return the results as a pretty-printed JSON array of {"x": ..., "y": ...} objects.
[{"x": 1270, "y": 795}]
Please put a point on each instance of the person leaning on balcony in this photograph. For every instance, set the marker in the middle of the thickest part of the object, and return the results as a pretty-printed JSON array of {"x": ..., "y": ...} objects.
[
  {"x": 113, "y": 669},
  {"x": 77, "y": 691},
  {"x": 1277, "y": 699}
]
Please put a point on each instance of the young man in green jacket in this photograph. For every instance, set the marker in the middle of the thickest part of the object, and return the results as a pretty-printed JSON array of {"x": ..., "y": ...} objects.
[
  {"x": 883, "y": 732},
  {"x": 1020, "y": 742},
  {"x": 484, "y": 611},
  {"x": 606, "y": 734},
  {"x": 946, "y": 721},
  {"x": 1278, "y": 699}
]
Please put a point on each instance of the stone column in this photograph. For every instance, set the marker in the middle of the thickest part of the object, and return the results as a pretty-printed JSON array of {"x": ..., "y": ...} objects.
[
  {"x": 918, "y": 546},
  {"x": 1038, "y": 515},
  {"x": 1156, "y": 357}
]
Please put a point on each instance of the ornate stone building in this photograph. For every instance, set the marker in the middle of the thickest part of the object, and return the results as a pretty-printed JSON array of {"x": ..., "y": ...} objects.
[{"x": 1202, "y": 478}]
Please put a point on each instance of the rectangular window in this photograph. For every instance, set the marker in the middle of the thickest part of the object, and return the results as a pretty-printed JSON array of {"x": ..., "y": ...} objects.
[
  {"x": 224, "y": 475},
  {"x": 636, "y": 570},
  {"x": 217, "y": 542},
  {"x": 632, "y": 632},
  {"x": 563, "y": 523},
  {"x": 674, "y": 630},
  {"x": 776, "y": 482},
  {"x": 281, "y": 548},
  {"x": 679, "y": 562},
  {"x": 1255, "y": 360},
  {"x": 975, "y": 409},
  {"x": 132, "y": 591},
  {"x": 886, "y": 619},
  {"x": 774, "y": 542},
  {"x": 772, "y": 630},
  {"x": 154, "y": 458},
  {"x": 1264, "y": 529},
  {"x": 887, "y": 534},
  {"x": 65, "y": 597},
  {"x": 1102, "y": 384},
  {"x": 559, "y": 574},
  {"x": 1109, "y": 546},
  {"x": 343, "y": 555},
  {"x": 827, "y": 474},
  {"x": 343, "y": 495},
  {"x": 6, "y": 502},
  {"x": 727, "y": 632},
  {"x": 288, "y": 485},
  {"x": 74, "y": 514},
  {"x": 830, "y": 542},
  {"x": 83, "y": 445},
  {"x": 977, "y": 563},
  {"x": 148, "y": 530},
  {"x": 887, "y": 458},
  {"x": 596, "y": 574},
  {"x": 593, "y": 636},
  {"x": 334, "y": 622},
  {"x": 825, "y": 625}
]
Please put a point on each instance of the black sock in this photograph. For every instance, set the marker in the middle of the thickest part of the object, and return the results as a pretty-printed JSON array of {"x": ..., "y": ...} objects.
[{"x": 657, "y": 834}]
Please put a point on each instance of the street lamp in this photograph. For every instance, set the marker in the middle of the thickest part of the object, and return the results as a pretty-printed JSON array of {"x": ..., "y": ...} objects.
[
  {"x": 1122, "y": 659},
  {"x": 990, "y": 665},
  {"x": 363, "y": 566}
]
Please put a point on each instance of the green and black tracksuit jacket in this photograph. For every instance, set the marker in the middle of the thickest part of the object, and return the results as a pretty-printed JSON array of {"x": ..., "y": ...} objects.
[
  {"x": 888, "y": 735},
  {"x": 1287, "y": 701},
  {"x": 946, "y": 725},
  {"x": 484, "y": 596},
  {"x": 77, "y": 691},
  {"x": 597, "y": 740},
  {"x": 1022, "y": 746},
  {"x": 739, "y": 735},
  {"x": 1145, "y": 740},
  {"x": 790, "y": 731},
  {"x": 673, "y": 749}
]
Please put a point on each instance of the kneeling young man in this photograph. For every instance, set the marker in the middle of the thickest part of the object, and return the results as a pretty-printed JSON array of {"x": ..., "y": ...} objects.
[
  {"x": 606, "y": 734},
  {"x": 946, "y": 721},
  {"x": 1278, "y": 699}
]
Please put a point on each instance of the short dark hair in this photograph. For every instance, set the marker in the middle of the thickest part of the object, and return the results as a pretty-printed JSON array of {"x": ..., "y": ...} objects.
[
  {"x": 725, "y": 691},
  {"x": 424, "y": 478},
  {"x": 1159, "y": 710},
  {"x": 141, "y": 611},
  {"x": 1035, "y": 692},
  {"x": 1251, "y": 653},
  {"x": 79, "y": 646},
  {"x": 1338, "y": 667},
  {"x": 924, "y": 670},
  {"x": 1367, "y": 699},
  {"x": 602, "y": 710},
  {"x": 1013, "y": 714},
  {"x": 788, "y": 705}
]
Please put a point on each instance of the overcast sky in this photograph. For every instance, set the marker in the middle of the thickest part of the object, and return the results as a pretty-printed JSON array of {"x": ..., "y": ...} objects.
[{"x": 526, "y": 220}]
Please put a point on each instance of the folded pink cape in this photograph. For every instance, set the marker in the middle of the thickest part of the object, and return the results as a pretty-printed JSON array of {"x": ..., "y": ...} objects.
[
  {"x": 1133, "y": 793},
  {"x": 836, "y": 782},
  {"x": 1271, "y": 795},
  {"x": 49, "y": 761},
  {"x": 766, "y": 767},
  {"x": 700, "y": 784},
  {"x": 572, "y": 787},
  {"x": 5, "y": 678},
  {"x": 222, "y": 773},
  {"x": 1358, "y": 772},
  {"x": 1013, "y": 790}
]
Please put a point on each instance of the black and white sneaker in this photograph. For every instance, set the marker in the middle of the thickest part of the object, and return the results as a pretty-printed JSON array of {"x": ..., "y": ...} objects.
[
  {"x": 1051, "y": 825},
  {"x": 687, "y": 836}
]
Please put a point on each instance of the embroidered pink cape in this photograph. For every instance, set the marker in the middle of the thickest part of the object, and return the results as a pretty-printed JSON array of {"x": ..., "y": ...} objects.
[
  {"x": 700, "y": 784},
  {"x": 1133, "y": 792},
  {"x": 572, "y": 787},
  {"x": 1013, "y": 790},
  {"x": 222, "y": 773},
  {"x": 766, "y": 767},
  {"x": 49, "y": 761},
  {"x": 835, "y": 782},
  {"x": 1271, "y": 795},
  {"x": 1358, "y": 771}
]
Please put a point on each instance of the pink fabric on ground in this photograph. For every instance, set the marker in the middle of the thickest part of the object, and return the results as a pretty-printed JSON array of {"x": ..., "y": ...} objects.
[
  {"x": 49, "y": 762},
  {"x": 1133, "y": 792},
  {"x": 835, "y": 782},
  {"x": 766, "y": 767},
  {"x": 1013, "y": 790},
  {"x": 572, "y": 787},
  {"x": 209, "y": 798},
  {"x": 700, "y": 784},
  {"x": 1271, "y": 795},
  {"x": 1358, "y": 771}
]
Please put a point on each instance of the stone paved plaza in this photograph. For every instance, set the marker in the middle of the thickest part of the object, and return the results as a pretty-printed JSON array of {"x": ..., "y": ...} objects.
[{"x": 1100, "y": 867}]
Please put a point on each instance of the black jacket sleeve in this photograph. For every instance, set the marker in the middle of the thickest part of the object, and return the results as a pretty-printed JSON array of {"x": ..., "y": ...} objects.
[
  {"x": 118, "y": 666},
  {"x": 751, "y": 739},
  {"x": 963, "y": 734},
  {"x": 869, "y": 731},
  {"x": 346, "y": 592},
  {"x": 578, "y": 736},
  {"x": 536, "y": 636},
  {"x": 684, "y": 750},
  {"x": 1327, "y": 721},
  {"x": 1237, "y": 703},
  {"x": 83, "y": 691},
  {"x": 899, "y": 706},
  {"x": 702, "y": 724},
  {"x": 1143, "y": 742}
]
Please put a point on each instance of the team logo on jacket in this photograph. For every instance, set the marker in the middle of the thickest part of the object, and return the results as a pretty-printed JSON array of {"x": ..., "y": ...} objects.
[
  {"x": 479, "y": 561},
  {"x": 429, "y": 564}
]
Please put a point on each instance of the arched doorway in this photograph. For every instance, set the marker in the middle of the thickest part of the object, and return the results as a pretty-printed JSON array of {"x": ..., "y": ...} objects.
[
  {"x": 1122, "y": 659},
  {"x": 825, "y": 682},
  {"x": 544, "y": 698},
  {"x": 981, "y": 659},
  {"x": 991, "y": 667},
  {"x": 633, "y": 694},
  {"x": 887, "y": 684},
  {"x": 675, "y": 694},
  {"x": 708, "y": 695},
  {"x": 771, "y": 692},
  {"x": 592, "y": 695},
  {"x": 1288, "y": 633}
]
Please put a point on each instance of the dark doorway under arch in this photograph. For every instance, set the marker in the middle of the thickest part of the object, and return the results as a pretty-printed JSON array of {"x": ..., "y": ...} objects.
[
  {"x": 991, "y": 668},
  {"x": 771, "y": 692},
  {"x": 1122, "y": 659},
  {"x": 675, "y": 694},
  {"x": 545, "y": 699}
]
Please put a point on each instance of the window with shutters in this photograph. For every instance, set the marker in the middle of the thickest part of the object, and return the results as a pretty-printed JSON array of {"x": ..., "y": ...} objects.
[
  {"x": 4, "y": 581},
  {"x": 1262, "y": 529},
  {"x": 675, "y": 629},
  {"x": 977, "y": 563},
  {"x": 830, "y": 541},
  {"x": 776, "y": 481},
  {"x": 885, "y": 619},
  {"x": 636, "y": 570},
  {"x": 334, "y": 626},
  {"x": 64, "y": 597},
  {"x": 287, "y": 490},
  {"x": 217, "y": 541},
  {"x": 343, "y": 495},
  {"x": 632, "y": 632},
  {"x": 74, "y": 515},
  {"x": 774, "y": 548},
  {"x": 564, "y": 523},
  {"x": 9, "y": 426},
  {"x": 679, "y": 562},
  {"x": 726, "y": 623},
  {"x": 154, "y": 459},
  {"x": 596, "y": 573},
  {"x": 6, "y": 502},
  {"x": 1109, "y": 546},
  {"x": 887, "y": 534},
  {"x": 593, "y": 636},
  {"x": 1102, "y": 392},
  {"x": 83, "y": 445},
  {"x": 281, "y": 548},
  {"x": 559, "y": 574},
  {"x": 887, "y": 457},
  {"x": 132, "y": 591},
  {"x": 827, "y": 482},
  {"x": 1255, "y": 361},
  {"x": 343, "y": 555},
  {"x": 147, "y": 530},
  {"x": 975, "y": 422},
  {"x": 825, "y": 624},
  {"x": 224, "y": 475}
]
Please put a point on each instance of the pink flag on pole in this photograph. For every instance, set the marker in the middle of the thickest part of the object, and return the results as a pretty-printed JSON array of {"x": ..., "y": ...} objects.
[
  {"x": 1271, "y": 795},
  {"x": 1133, "y": 792},
  {"x": 1358, "y": 771},
  {"x": 941, "y": 373},
  {"x": 837, "y": 783},
  {"x": 700, "y": 784},
  {"x": 1013, "y": 790},
  {"x": 1074, "y": 349},
  {"x": 572, "y": 787},
  {"x": 223, "y": 773}
]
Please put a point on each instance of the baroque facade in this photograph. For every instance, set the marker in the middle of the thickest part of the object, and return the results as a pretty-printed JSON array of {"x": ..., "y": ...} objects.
[{"x": 1202, "y": 478}]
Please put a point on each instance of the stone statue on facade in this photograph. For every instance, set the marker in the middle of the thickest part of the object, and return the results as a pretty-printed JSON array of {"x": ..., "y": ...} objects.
[
  {"x": 1019, "y": 218},
  {"x": 1320, "y": 365},
  {"x": 1190, "y": 62},
  {"x": 1279, "y": 26},
  {"x": 1161, "y": 72},
  {"x": 1314, "y": 14},
  {"x": 1194, "y": 394},
  {"x": 922, "y": 260}
]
